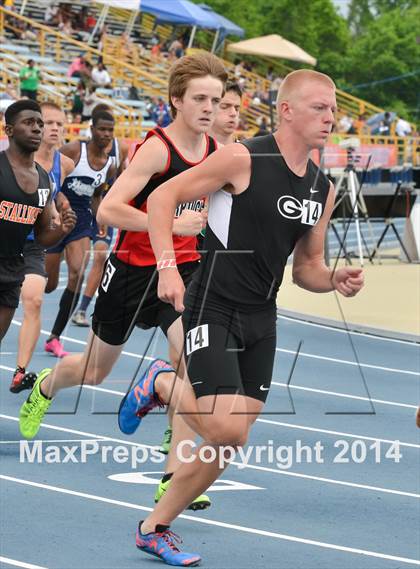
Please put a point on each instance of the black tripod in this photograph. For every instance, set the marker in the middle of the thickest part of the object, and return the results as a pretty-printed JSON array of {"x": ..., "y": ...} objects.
[
  {"x": 389, "y": 224},
  {"x": 348, "y": 186}
]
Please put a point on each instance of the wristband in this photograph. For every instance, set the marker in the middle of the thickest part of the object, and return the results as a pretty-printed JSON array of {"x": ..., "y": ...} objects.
[{"x": 167, "y": 264}]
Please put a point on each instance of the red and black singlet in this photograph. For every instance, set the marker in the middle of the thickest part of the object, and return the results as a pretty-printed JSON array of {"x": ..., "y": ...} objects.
[{"x": 133, "y": 247}]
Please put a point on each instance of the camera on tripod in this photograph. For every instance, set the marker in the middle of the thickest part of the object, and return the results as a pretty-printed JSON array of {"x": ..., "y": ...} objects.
[{"x": 350, "y": 145}]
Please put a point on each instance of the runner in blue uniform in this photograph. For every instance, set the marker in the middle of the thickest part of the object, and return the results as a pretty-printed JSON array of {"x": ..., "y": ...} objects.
[{"x": 83, "y": 188}]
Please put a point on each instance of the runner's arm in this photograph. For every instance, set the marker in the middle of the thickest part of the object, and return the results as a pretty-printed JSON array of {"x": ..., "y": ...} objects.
[
  {"x": 47, "y": 235},
  {"x": 115, "y": 208},
  {"x": 309, "y": 269},
  {"x": 67, "y": 166},
  {"x": 229, "y": 166}
]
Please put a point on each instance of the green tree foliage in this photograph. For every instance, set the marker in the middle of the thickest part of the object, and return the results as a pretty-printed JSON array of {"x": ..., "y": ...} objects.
[
  {"x": 382, "y": 6},
  {"x": 378, "y": 41},
  {"x": 388, "y": 49},
  {"x": 315, "y": 26},
  {"x": 359, "y": 16}
]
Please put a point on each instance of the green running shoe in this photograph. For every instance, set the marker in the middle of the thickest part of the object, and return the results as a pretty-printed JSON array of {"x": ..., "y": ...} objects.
[
  {"x": 200, "y": 503},
  {"x": 34, "y": 408},
  {"x": 166, "y": 443}
]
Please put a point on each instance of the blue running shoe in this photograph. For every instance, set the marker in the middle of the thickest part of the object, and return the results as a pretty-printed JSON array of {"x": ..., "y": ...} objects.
[
  {"x": 141, "y": 398},
  {"x": 162, "y": 543}
]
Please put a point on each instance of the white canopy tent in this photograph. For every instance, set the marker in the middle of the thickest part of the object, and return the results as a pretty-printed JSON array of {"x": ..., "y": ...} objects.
[{"x": 272, "y": 46}]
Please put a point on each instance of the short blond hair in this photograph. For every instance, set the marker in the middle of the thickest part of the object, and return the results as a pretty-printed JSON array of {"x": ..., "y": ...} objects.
[
  {"x": 192, "y": 67},
  {"x": 293, "y": 81},
  {"x": 51, "y": 105}
]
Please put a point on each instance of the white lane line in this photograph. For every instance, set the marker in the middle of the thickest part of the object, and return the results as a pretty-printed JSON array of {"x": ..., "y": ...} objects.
[
  {"x": 327, "y": 432},
  {"x": 280, "y": 424},
  {"x": 299, "y": 387},
  {"x": 83, "y": 343},
  {"x": 15, "y": 563},
  {"x": 303, "y": 354},
  {"x": 350, "y": 363},
  {"x": 239, "y": 465},
  {"x": 364, "y": 335},
  {"x": 346, "y": 395},
  {"x": 329, "y": 480},
  {"x": 195, "y": 519}
]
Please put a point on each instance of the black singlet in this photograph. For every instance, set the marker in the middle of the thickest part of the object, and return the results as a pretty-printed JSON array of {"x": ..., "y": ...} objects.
[
  {"x": 250, "y": 236},
  {"x": 18, "y": 209}
]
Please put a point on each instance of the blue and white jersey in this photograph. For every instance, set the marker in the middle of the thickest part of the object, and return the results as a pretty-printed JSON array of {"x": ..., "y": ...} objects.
[
  {"x": 55, "y": 174},
  {"x": 80, "y": 185},
  {"x": 115, "y": 154},
  {"x": 55, "y": 177}
]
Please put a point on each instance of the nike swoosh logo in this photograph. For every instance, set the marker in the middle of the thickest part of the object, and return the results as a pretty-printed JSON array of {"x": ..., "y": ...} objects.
[
  {"x": 311, "y": 191},
  {"x": 196, "y": 383},
  {"x": 262, "y": 388}
]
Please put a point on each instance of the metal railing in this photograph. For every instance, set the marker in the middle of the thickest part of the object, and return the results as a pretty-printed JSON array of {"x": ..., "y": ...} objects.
[{"x": 60, "y": 44}]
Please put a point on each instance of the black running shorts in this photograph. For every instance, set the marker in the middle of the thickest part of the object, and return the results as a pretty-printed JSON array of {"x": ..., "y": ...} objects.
[
  {"x": 127, "y": 297},
  {"x": 229, "y": 351},
  {"x": 34, "y": 256},
  {"x": 12, "y": 273}
]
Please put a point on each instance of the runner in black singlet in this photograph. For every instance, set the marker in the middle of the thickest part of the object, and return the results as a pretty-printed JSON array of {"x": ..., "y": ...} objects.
[
  {"x": 25, "y": 203},
  {"x": 267, "y": 200}
]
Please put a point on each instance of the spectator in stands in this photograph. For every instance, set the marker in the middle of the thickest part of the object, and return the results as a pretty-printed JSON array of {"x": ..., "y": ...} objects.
[
  {"x": 360, "y": 125},
  {"x": 242, "y": 83},
  {"x": 64, "y": 13},
  {"x": 155, "y": 52},
  {"x": 150, "y": 105},
  {"x": 126, "y": 45},
  {"x": 76, "y": 119},
  {"x": 77, "y": 99},
  {"x": 7, "y": 98},
  {"x": 86, "y": 73},
  {"x": 161, "y": 114},
  {"x": 100, "y": 76},
  {"x": 345, "y": 124},
  {"x": 90, "y": 22},
  {"x": 385, "y": 128},
  {"x": 51, "y": 15},
  {"x": 155, "y": 39},
  {"x": 10, "y": 91},
  {"x": 68, "y": 29},
  {"x": 239, "y": 68},
  {"x": 79, "y": 20},
  {"x": 402, "y": 128},
  {"x": 17, "y": 27},
  {"x": 275, "y": 83},
  {"x": 176, "y": 49},
  {"x": 75, "y": 66},
  {"x": 29, "y": 33},
  {"x": 262, "y": 127},
  {"x": 29, "y": 77},
  {"x": 270, "y": 74},
  {"x": 258, "y": 94},
  {"x": 90, "y": 100},
  {"x": 133, "y": 93}
]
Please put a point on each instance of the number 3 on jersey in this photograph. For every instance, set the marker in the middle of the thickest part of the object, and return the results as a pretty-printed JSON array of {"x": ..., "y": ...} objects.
[
  {"x": 197, "y": 338},
  {"x": 108, "y": 274}
]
